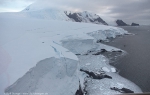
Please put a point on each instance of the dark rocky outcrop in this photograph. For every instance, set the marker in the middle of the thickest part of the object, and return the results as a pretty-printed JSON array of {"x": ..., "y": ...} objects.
[
  {"x": 79, "y": 91},
  {"x": 78, "y": 54},
  {"x": 75, "y": 17},
  {"x": 100, "y": 20},
  {"x": 135, "y": 24},
  {"x": 117, "y": 51},
  {"x": 99, "y": 41},
  {"x": 121, "y": 23},
  {"x": 78, "y": 17},
  {"x": 96, "y": 76},
  {"x": 100, "y": 52},
  {"x": 122, "y": 90}
]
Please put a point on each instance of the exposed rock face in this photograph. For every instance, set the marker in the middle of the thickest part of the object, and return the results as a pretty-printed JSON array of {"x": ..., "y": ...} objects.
[
  {"x": 96, "y": 76},
  {"x": 75, "y": 17},
  {"x": 135, "y": 24},
  {"x": 86, "y": 17},
  {"x": 79, "y": 91},
  {"x": 121, "y": 23},
  {"x": 122, "y": 90}
]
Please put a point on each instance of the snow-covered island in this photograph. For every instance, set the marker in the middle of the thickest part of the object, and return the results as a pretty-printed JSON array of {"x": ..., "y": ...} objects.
[{"x": 44, "y": 51}]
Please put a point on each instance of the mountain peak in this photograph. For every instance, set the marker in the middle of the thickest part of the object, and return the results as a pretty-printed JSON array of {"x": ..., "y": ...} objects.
[
  {"x": 86, "y": 17},
  {"x": 39, "y": 5},
  {"x": 45, "y": 10},
  {"x": 121, "y": 23}
]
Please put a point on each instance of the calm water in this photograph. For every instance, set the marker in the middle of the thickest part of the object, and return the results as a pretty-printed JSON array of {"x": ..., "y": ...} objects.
[{"x": 135, "y": 66}]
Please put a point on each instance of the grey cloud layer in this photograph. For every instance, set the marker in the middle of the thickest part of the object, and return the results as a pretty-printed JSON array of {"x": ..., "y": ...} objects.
[{"x": 122, "y": 9}]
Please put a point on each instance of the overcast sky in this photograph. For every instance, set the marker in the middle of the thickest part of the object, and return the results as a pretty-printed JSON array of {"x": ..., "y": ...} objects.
[{"x": 128, "y": 10}]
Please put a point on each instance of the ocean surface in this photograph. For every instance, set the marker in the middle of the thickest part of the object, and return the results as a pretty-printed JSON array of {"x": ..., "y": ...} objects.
[{"x": 134, "y": 66}]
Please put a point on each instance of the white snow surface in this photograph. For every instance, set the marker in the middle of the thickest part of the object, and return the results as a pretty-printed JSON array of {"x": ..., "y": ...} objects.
[
  {"x": 25, "y": 41},
  {"x": 100, "y": 64},
  {"x": 51, "y": 76}
]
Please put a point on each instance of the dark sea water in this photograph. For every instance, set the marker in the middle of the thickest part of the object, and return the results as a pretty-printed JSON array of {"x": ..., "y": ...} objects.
[{"x": 135, "y": 66}]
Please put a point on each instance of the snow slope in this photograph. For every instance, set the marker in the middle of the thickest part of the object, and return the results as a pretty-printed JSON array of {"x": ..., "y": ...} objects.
[
  {"x": 25, "y": 42},
  {"x": 110, "y": 20},
  {"x": 47, "y": 13}
]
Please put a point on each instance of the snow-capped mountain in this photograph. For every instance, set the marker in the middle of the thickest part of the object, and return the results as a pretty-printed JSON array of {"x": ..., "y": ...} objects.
[
  {"x": 55, "y": 14},
  {"x": 86, "y": 17},
  {"x": 46, "y": 13}
]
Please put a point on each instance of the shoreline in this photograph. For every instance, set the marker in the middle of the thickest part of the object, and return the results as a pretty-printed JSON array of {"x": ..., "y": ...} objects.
[
  {"x": 102, "y": 76},
  {"x": 134, "y": 65}
]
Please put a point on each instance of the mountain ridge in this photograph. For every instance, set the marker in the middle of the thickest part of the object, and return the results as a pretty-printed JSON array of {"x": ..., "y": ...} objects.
[
  {"x": 86, "y": 17},
  {"x": 51, "y": 13}
]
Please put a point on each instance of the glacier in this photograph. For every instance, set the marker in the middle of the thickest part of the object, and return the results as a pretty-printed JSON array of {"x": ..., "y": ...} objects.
[{"x": 39, "y": 55}]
